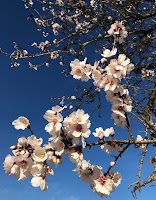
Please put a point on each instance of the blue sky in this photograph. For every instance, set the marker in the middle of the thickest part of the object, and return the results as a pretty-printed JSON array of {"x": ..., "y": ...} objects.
[{"x": 28, "y": 92}]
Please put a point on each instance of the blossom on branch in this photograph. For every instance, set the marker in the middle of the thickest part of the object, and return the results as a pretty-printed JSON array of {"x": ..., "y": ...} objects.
[{"x": 21, "y": 123}]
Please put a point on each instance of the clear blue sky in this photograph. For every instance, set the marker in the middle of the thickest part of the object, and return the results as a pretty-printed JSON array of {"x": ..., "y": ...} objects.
[{"x": 28, "y": 92}]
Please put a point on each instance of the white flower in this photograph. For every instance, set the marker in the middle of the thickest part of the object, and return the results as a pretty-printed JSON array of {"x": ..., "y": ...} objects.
[
  {"x": 34, "y": 142},
  {"x": 39, "y": 182},
  {"x": 103, "y": 186},
  {"x": 8, "y": 163},
  {"x": 119, "y": 118},
  {"x": 99, "y": 133},
  {"x": 73, "y": 97},
  {"x": 22, "y": 141},
  {"x": 116, "y": 69},
  {"x": 107, "y": 53},
  {"x": 109, "y": 83},
  {"x": 118, "y": 31},
  {"x": 80, "y": 70},
  {"x": 84, "y": 170},
  {"x": 75, "y": 157},
  {"x": 37, "y": 169},
  {"x": 21, "y": 123},
  {"x": 55, "y": 160},
  {"x": 23, "y": 168},
  {"x": 77, "y": 124},
  {"x": 58, "y": 146},
  {"x": 109, "y": 131},
  {"x": 39, "y": 154},
  {"x": 54, "y": 118}
]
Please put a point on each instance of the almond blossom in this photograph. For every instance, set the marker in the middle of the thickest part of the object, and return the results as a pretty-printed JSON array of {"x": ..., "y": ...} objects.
[
  {"x": 8, "y": 164},
  {"x": 58, "y": 146},
  {"x": 54, "y": 118},
  {"x": 107, "y": 53},
  {"x": 34, "y": 142},
  {"x": 37, "y": 169},
  {"x": 80, "y": 70},
  {"x": 21, "y": 123},
  {"x": 22, "y": 167},
  {"x": 39, "y": 182},
  {"x": 75, "y": 156},
  {"x": 77, "y": 125},
  {"x": 39, "y": 154},
  {"x": 99, "y": 133},
  {"x": 118, "y": 31}
]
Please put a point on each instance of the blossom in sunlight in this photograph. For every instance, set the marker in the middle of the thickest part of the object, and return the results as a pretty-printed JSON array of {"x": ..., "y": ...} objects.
[
  {"x": 34, "y": 142},
  {"x": 119, "y": 118},
  {"x": 77, "y": 124},
  {"x": 8, "y": 163},
  {"x": 99, "y": 132},
  {"x": 22, "y": 167},
  {"x": 58, "y": 146},
  {"x": 103, "y": 186},
  {"x": 21, "y": 123},
  {"x": 75, "y": 156},
  {"x": 84, "y": 170},
  {"x": 109, "y": 83},
  {"x": 22, "y": 141},
  {"x": 39, "y": 182},
  {"x": 37, "y": 169},
  {"x": 54, "y": 118},
  {"x": 118, "y": 31},
  {"x": 119, "y": 68},
  {"x": 96, "y": 73},
  {"x": 80, "y": 70},
  {"x": 39, "y": 154},
  {"x": 107, "y": 53},
  {"x": 109, "y": 131}
]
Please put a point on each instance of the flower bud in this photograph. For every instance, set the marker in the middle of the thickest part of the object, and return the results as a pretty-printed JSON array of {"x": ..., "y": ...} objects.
[
  {"x": 112, "y": 163},
  {"x": 13, "y": 147},
  {"x": 50, "y": 171},
  {"x": 22, "y": 141}
]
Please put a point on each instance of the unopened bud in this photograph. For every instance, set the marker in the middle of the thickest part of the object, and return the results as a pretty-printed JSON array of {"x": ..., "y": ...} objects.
[
  {"x": 50, "y": 171},
  {"x": 13, "y": 147},
  {"x": 22, "y": 141},
  {"x": 112, "y": 163}
]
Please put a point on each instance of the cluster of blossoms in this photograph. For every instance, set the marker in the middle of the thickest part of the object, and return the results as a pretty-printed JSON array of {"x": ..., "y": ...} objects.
[
  {"x": 118, "y": 31},
  {"x": 147, "y": 73},
  {"x": 100, "y": 183},
  {"x": 108, "y": 147},
  {"x": 28, "y": 161},
  {"x": 32, "y": 160},
  {"x": 28, "y": 3},
  {"x": 109, "y": 79}
]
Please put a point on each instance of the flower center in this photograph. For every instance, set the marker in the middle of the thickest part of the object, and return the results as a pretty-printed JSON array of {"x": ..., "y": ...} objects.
[
  {"x": 102, "y": 180},
  {"x": 54, "y": 120},
  {"x": 41, "y": 155},
  {"x": 79, "y": 119},
  {"x": 78, "y": 128}
]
